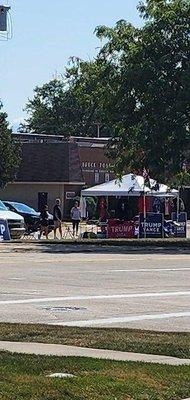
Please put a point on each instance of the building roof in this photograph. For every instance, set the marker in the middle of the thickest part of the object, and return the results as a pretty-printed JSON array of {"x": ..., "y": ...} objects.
[
  {"x": 81, "y": 140},
  {"x": 50, "y": 162}
]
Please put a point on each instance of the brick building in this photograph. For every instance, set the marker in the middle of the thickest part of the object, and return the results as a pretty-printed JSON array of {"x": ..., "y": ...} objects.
[
  {"x": 95, "y": 165},
  {"x": 54, "y": 167}
]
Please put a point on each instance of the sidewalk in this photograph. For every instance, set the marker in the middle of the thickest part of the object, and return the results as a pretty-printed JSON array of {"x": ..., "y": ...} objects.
[{"x": 73, "y": 351}]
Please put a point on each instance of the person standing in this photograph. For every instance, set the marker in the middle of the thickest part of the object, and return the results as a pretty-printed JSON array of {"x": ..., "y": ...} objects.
[
  {"x": 44, "y": 223},
  {"x": 57, "y": 218},
  {"x": 76, "y": 217}
]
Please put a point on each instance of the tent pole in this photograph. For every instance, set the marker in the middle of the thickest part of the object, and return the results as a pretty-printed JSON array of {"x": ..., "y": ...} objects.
[
  {"x": 107, "y": 215},
  {"x": 144, "y": 211},
  {"x": 178, "y": 205}
]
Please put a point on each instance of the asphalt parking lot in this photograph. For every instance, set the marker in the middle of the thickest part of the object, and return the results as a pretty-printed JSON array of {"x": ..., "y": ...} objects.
[{"x": 124, "y": 290}]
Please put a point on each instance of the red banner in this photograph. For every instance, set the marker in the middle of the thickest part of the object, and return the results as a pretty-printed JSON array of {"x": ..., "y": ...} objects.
[{"x": 121, "y": 229}]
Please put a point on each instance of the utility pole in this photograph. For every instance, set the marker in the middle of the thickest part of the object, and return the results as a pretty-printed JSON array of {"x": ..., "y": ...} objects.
[{"x": 98, "y": 124}]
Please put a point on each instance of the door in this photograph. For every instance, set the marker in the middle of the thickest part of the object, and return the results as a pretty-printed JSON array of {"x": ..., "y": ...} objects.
[{"x": 42, "y": 200}]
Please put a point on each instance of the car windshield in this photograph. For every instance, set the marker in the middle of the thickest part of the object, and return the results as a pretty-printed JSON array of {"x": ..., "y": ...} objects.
[
  {"x": 23, "y": 208},
  {"x": 2, "y": 206}
]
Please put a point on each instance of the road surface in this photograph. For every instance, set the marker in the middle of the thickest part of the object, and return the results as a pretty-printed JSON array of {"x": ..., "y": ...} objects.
[{"x": 113, "y": 290}]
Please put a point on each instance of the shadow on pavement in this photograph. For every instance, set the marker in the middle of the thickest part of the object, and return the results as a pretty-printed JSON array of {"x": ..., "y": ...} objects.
[{"x": 90, "y": 247}]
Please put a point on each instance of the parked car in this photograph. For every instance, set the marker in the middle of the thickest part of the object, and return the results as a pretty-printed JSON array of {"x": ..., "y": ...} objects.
[
  {"x": 15, "y": 221},
  {"x": 31, "y": 216}
]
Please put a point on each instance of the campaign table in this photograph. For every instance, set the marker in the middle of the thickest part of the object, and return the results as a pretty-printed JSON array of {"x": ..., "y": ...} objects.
[{"x": 153, "y": 227}]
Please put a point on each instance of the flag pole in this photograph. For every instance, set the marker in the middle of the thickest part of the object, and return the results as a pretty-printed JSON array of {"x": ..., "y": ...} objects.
[
  {"x": 145, "y": 177},
  {"x": 178, "y": 204}
]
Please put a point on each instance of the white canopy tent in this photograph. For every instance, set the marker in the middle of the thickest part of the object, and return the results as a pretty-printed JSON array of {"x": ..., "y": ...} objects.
[{"x": 130, "y": 185}]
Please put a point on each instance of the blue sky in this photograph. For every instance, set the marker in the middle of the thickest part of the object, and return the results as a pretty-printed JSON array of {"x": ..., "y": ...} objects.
[{"x": 45, "y": 34}]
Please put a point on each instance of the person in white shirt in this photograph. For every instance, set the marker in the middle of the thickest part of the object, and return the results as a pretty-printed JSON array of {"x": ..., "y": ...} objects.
[{"x": 76, "y": 217}]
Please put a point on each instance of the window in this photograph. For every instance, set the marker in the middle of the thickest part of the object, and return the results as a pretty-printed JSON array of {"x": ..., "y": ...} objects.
[
  {"x": 23, "y": 208},
  {"x": 97, "y": 177},
  {"x": 107, "y": 177},
  {"x": 70, "y": 195},
  {"x": 2, "y": 206}
]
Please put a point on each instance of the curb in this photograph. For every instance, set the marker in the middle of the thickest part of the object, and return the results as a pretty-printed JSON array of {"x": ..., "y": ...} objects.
[
  {"x": 126, "y": 246},
  {"x": 167, "y": 243}
]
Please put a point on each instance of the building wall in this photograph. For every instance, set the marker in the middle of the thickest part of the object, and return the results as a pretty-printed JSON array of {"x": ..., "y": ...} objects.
[
  {"x": 80, "y": 154},
  {"x": 96, "y": 167},
  {"x": 71, "y": 192},
  {"x": 87, "y": 155},
  {"x": 28, "y": 194}
]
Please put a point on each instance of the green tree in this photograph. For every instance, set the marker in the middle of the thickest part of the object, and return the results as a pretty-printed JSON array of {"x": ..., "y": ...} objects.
[
  {"x": 150, "y": 110},
  {"x": 89, "y": 86},
  {"x": 71, "y": 105},
  {"x": 9, "y": 153},
  {"x": 137, "y": 89},
  {"x": 47, "y": 109}
]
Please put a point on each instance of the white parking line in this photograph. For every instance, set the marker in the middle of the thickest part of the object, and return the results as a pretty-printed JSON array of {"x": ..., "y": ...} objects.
[
  {"x": 150, "y": 270},
  {"x": 133, "y": 318},
  {"x": 95, "y": 297}
]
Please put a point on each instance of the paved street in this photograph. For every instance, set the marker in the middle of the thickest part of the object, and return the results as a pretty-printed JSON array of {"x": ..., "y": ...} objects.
[{"x": 123, "y": 290}]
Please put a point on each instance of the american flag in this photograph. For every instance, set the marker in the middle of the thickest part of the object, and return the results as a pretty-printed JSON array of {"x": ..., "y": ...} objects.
[
  {"x": 146, "y": 177},
  {"x": 145, "y": 173}
]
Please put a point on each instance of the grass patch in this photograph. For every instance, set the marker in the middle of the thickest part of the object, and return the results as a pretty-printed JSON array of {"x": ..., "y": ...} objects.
[
  {"x": 161, "y": 343},
  {"x": 25, "y": 377}
]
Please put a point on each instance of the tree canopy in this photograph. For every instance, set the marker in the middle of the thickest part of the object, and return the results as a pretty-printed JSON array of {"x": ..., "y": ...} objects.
[
  {"x": 137, "y": 88},
  {"x": 72, "y": 104},
  {"x": 152, "y": 120},
  {"x": 9, "y": 152}
]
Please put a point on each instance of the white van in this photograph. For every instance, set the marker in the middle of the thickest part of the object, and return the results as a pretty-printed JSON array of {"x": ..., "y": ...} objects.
[{"x": 15, "y": 222}]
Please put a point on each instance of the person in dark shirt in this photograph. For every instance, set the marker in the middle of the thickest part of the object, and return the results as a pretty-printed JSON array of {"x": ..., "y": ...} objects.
[
  {"x": 57, "y": 218},
  {"x": 44, "y": 222}
]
